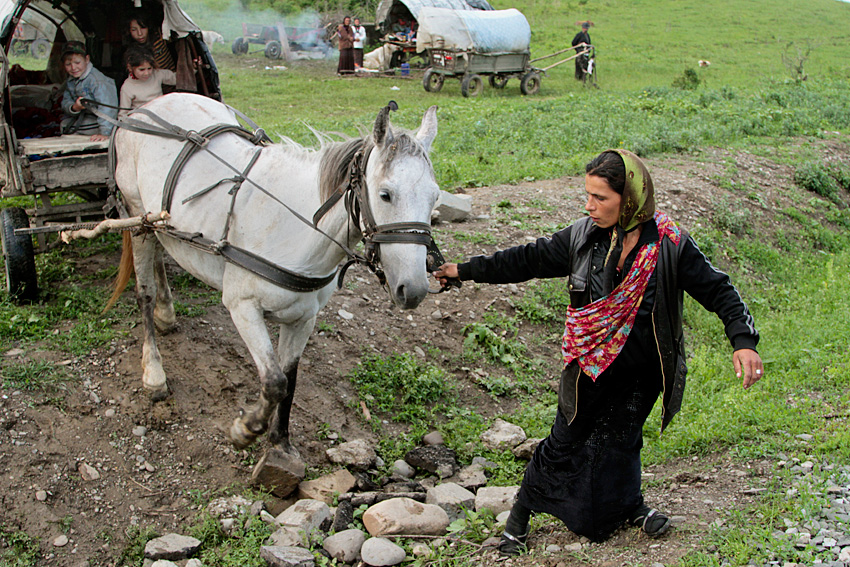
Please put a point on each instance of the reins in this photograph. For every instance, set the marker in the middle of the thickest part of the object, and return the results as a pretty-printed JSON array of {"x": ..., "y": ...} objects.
[{"x": 353, "y": 190}]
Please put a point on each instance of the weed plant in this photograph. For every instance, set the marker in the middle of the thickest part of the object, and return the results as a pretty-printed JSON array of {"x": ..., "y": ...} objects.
[{"x": 17, "y": 549}]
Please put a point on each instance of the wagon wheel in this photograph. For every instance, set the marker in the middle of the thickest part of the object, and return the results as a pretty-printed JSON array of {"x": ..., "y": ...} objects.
[
  {"x": 18, "y": 47},
  {"x": 530, "y": 83},
  {"x": 240, "y": 46},
  {"x": 273, "y": 49},
  {"x": 498, "y": 81},
  {"x": 433, "y": 82},
  {"x": 471, "y": 85},
  {"x": 19, "y": 255},
  {"x": 40, "y": 48}
]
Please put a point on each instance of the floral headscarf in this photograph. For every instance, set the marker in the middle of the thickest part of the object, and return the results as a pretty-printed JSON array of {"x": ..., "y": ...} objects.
[{"x": 638, "y": 200}]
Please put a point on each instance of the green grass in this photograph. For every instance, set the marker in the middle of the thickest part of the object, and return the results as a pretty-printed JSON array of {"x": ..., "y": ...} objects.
[{"x": 17, "y": 549}]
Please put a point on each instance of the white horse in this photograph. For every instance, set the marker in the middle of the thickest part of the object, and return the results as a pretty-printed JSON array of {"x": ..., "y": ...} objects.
[{"x": 398, "y": 184}]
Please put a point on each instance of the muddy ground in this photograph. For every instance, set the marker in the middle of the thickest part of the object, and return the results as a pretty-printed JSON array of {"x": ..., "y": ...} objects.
[{"x": 157, "y": 461}]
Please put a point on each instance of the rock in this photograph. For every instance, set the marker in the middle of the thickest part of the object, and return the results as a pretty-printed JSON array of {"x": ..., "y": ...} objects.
[
  {"x": 164, "y": 563},
  {"x": 405, "y": 516},
  {"x": 453, "y": 207},
  {"x": 41, "y": 495},
  {"x": 678, "y": 520},
  {"x": 343, "y": 517},
  {"x": 420, "y": 549},
  {"x": 436, "y": 315},
  {"x": 88, "y": 472},
  {"x": 14, "y": 352},
  {"x": 503, "y": 436},
  {"x": 452, "y": 498},
  {"x": 228, "y": 507},
  {"x": 194, "y": 563},
  {"x": 278, "y": 472},
  {"x": 228, "y": 525},
  {"x": 844, "y": 555},
  {"x": 502, "y": 517},
  {"x": 60, "y": 541},
  {"x": 496, "y": 498},
  {"x": 345, "y": 545},
  {"x": 471, "y": 477},
  {"x": 488, "y": 465},
  {"x": 345, "y": 314},
  {"x": 380, "y": 552},
  {"x": 433, "y": 438},
  {"x": 324, "y": 488},
  {"x": 436, "y": 459},
  {"x": 304, "y": 516},
  {"x": 287, "y": 556},
  {"x": 372, "y": 498},
  {"x": 573, "y": 547},
  {"x": 401, "y": 468},
  {"x": 288, "y": 537},
  {"x": 357, "y": 454},
  {"x": 109, "y": 413},
  {"x": 140, "y": 430},
  {"x": 525, "y": 450},
  {"x": 553, "y": 548},
  {"x": 171, "y": 546},
  {"x": 257, "y": 508}
]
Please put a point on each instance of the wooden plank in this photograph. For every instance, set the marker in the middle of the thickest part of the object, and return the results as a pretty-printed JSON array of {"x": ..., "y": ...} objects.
[
  {"x": 59, "y": 145},
  {"x": 70, "y": 171}
]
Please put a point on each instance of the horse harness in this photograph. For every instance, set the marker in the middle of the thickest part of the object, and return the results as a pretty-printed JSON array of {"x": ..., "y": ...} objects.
[{"x": 353, "y": 191}]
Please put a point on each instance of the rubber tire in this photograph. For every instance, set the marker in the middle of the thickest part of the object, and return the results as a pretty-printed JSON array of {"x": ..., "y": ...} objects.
[
  {"x": 498, "y": 81},
  {"x": 273, "y": 50},
  {"x": 239, "y": 46},
  {"x": 471, "y": 85},
  {"x": 21, "y": 281},
  {"x": 19, "y": 47},
  {"x": 40, "y": 48},
  {"x": 433, "y": 81},
  {"x": 530, "y": 83}
]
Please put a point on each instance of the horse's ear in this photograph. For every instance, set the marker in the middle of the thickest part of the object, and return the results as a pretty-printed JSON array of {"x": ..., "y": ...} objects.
[
  {"x": 382, "y": 133},
  {"x": 428, "y": 129}
]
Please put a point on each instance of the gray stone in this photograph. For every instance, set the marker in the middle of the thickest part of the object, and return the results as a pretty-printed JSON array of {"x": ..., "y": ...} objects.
[
  {"x": 194, "y": 563},
  {"x": 288, "y": 537},
  {"x": 356, "y": 454},
  {"x": 553, "y": 548},
  {"x": 420, "y": 549},
  {"x": 163, "y": 563},
  {"x": 41, "y": 495},
  {"x": 305, "y": 515},
  {"x": 401, "y": 468},
  {"x": 452, "y": 498},
  {"x": 140, "y": 430},
  {"x": 433, "y": 438},
  {"x": 502, "y": 517},
  {"x": 471, "y": 477},
  {"x": 436, "y": 459},
  {"x": 343, "y": 516},
  {"x": 324, "y": 488},
  {"x": 453, "y": 207},
  {"x": 380, "y": 552},
  {"x": 574, "y": 547},
  {"x": 399, "y": 516},
  {"x": 503, "y": 436},
  {"x": 496, "y": 498},
  {"x": 287, "y": 556},
  {"x": 345, "y": 545},
  {"x": 525, "y": 450},
  {"x": 228, "y": 507},
  {"x": 171, "y": 546},
  {"x": 60, "y": 541},
  {"x": 88, "y": 472},
  {"x": 279, "y": 472},
  {"x": 488, "y": 465}
]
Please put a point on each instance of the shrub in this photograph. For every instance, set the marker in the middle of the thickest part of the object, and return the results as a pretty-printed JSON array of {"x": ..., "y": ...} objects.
[
  {"x": 816, "y": 178},
  {"x": 689, "y": 80}
]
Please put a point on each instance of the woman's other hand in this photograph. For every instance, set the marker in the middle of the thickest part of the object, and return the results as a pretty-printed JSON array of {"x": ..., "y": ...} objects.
[
  {"x": 749, "y": 365},
  {"x": 444, "y": 272}
]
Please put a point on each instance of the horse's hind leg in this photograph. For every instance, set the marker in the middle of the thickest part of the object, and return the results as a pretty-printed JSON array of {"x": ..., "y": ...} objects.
[
  {"x": 163, "y": 312},
  {"x": 144, "y": 253}
]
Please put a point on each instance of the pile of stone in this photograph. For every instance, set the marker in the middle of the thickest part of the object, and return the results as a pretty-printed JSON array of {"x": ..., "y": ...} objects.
[{"x": 322, "y": 514}]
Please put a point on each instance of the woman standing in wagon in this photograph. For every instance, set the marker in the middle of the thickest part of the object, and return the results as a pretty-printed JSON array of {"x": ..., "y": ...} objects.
[{"x": 623, "y": 345}]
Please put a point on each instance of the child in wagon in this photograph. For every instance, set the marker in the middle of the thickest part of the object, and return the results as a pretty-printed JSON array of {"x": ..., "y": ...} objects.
[
  {"x": 145, "y": 81},
  {"x": 86, "y": 82}
]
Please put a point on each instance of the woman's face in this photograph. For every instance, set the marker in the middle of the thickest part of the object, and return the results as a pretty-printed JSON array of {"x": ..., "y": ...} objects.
[
  {"x": 346, "y": 21},
  {"x": 356, "y": 21},
  {"x": 138, "y": 32},
  {"x": 603, "y": 203}
]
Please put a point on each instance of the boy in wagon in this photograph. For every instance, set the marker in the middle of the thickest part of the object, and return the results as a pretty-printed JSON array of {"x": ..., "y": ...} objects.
[{"x": 86, "y": 82}]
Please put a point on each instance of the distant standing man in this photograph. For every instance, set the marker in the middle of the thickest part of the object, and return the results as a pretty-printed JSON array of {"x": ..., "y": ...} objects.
[
  {"x": 359, "y": 43},
  {"x": 581, "y": 39}
]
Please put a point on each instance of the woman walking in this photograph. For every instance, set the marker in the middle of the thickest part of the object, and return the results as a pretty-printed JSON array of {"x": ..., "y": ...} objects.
[{"x": 623, "y": 345}]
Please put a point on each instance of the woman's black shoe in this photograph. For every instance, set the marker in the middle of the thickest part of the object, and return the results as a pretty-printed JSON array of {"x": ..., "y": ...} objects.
[
  {"x": 511, "y": 545},
  {"x": 651, "y": 521}
]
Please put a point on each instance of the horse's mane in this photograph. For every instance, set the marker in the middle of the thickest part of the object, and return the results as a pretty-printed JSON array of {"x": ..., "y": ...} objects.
[{"x": 336, "y": 159}]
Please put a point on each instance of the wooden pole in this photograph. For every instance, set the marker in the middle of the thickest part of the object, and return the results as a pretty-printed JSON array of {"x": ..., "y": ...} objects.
[{"x": 113, "y": 224}]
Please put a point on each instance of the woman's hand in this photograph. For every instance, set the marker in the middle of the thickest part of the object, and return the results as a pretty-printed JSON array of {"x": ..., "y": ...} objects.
[
  {"x": 444, "y": 272},
  {"x": 748, "y": 363}
]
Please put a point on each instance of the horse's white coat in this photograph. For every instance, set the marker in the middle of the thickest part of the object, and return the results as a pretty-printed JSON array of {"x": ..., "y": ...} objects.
[{"x": 264, "y": 227}]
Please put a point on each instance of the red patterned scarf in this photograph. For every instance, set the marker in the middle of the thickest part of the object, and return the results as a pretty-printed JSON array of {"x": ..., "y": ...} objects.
[{"x": 595, "y": 334}]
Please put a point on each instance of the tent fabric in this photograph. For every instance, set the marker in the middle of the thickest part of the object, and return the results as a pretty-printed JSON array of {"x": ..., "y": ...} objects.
[
  {"x": 497, "y": 31},
  {"x": 382, "y": 15}
]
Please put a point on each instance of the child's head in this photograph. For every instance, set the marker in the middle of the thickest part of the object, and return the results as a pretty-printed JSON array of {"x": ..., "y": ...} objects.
[
  {"x": 140, "y": 62},
  {"x": 75, "y": 59},
  {"x": 138, "y": 27}
]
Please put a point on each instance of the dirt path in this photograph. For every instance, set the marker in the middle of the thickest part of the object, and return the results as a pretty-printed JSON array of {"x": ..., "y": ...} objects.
[{"x": 156, "y": 462}]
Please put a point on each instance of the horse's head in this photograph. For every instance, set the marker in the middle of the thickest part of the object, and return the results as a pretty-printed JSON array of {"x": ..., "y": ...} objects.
[{"x": 401, "y": 188}]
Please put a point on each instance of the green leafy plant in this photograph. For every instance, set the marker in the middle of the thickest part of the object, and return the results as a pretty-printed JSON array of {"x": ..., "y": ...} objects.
[
  {"x": 474, "y": 526},
  {"x": 688, "y": 80},
  {"x": 17, "y": 549}
]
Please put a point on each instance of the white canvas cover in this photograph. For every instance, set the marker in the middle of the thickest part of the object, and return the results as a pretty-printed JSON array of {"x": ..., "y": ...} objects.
[
  {"x": 385, "y": 7},
  {"x": 497, "y": 31}
]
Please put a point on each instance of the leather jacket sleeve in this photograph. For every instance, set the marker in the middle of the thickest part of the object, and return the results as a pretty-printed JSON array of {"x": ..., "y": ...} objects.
[{"x": 548, "y": 257}]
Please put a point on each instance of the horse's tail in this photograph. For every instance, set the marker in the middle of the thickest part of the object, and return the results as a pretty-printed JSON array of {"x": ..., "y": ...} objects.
[{"x": 125, "y": 270}]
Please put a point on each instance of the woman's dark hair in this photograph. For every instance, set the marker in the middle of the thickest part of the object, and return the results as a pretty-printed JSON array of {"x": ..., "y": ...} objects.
[
  {"x": 138, "y": 54},
  {"x": 609, "y": 166}
]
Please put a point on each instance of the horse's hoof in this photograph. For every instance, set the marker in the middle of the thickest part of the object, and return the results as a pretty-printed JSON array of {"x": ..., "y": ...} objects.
[
  {"x": 157, "y": 393},
  {"x": 240, "y": 435}
]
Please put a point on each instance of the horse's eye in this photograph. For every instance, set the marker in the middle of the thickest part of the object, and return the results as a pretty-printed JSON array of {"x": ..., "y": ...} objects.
[{"x": 385, "y": 196}]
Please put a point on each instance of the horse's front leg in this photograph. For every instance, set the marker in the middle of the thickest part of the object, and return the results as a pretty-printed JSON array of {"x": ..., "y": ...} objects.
[
  {"x": 249, "y": 321},
  {"x": 293, "y": 339},
  {"x": 153, "y": 376}
]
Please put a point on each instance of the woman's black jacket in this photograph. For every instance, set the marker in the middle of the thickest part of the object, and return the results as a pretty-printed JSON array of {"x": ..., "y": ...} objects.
[{"x": 682, "y": 267}]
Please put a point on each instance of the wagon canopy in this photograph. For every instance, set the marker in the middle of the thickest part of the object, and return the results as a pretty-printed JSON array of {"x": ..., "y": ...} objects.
[
  {"x": 390, "y": 10},
  {"x": 497, "y": 31}
]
